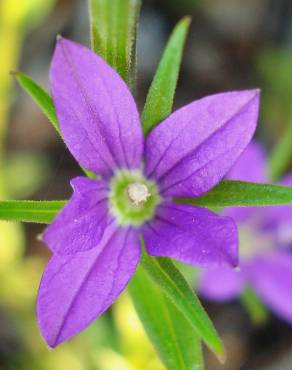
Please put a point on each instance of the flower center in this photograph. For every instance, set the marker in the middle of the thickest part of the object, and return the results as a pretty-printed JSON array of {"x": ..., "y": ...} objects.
[
  {"x": 132, "y": 198},
  {"x": 138, "y": 193}
]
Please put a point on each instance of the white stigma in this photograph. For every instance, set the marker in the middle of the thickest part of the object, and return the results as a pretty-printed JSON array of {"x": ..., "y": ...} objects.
[{"x": 138, "y": 193}]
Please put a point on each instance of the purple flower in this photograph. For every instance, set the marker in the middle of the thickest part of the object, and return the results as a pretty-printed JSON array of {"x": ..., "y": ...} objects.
[
  {"x": 265, "y": 238},
  {"x": 96, "y": 238}
]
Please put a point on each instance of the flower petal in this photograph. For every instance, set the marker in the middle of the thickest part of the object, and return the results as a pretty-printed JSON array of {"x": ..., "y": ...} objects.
[
  {"x": 76, "y": 289},
  {"x": 271, "y": 277},
  {"x": 220, "y": 284},
  {"x": 250, "y": 166},
  {"x": 80, "y": 224},
  {"x": 194, "y": 148},
  {"x": 96, "y": 111},
  {"x": 192, "y": 235}
]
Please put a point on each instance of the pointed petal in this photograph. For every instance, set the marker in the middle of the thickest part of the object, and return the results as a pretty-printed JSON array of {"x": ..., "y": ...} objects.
[
  {"x": 80, "y": 224},
  {"x": 192, "y": 235},
  {"x": 194, "y": 148},
  {"x": 271, "y": 277},
  {"x": 220, "y": 283},
  {"x": 96, "y": 111},
  {"x": 76, "y": 289}
]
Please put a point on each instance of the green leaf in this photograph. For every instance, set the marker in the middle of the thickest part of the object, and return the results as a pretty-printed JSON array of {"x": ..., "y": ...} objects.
[
  {"x": 161, "y": 93},
  {"x": 113, "y": 28},
  {"x": 171, "y": 334},
  {"x": 281, "y": 155},
  {"x": 255, "y": 308},
  {"x": 230, "y": 193},
  {"x": 40, "y": 96},
  {"x": 30, "y": 210},
  {"x": 169, "y": 279}
]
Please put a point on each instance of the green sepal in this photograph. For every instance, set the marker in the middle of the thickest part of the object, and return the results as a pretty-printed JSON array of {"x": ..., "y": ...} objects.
[
  {"x": 173, "y": 337},
  {"x": 231, "y": 193},
  {"x": 113, "y": 28},
  {"x": 160, "y": 97},
  {"x": 30, "y": 211},
  {"x": 168, "y": 278},
  {"x": 40, "y": 96},
  {"x": 254, "y": 306}
]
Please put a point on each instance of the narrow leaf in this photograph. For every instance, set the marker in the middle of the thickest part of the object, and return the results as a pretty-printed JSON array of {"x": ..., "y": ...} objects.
[
  {"x": 255, "y": 308},
  {"x": 161, "y": 93},
  {"x": 281, "y": 155},
  {"x": 169, "y": 279},
  {"x": 40, "y": 96},
  {"x": 30, "y": 210},
  {"x": 172, "y": 335},
  {"x": 113, "y": 27},
  {"x": 230, "y": 193}
]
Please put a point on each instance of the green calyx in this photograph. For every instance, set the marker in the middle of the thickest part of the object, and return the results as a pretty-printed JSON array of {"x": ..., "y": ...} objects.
[{"x": 132, "y": 198}]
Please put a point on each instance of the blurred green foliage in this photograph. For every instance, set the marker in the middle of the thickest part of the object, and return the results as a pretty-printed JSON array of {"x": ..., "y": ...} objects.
[
  {"x": 274, "y": 69},
  {"x": 16, "y": 20}
]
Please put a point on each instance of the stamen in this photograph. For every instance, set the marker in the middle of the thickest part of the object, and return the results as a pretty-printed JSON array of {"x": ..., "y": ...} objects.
[
  {"x": 138, "y": 193},
  {"x": 133, "y": 198}
]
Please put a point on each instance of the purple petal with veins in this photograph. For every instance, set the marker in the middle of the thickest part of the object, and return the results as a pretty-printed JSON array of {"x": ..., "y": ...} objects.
[
  {"x": 78, "y": 288},
  {"x": 192, "y": 235},
  {"x": 96, "y": 111},
  {"x": 194, "y": 148},
  {"x": 80, "y": 224}
]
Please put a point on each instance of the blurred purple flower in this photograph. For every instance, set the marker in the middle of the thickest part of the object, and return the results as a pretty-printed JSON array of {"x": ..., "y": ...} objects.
[
  {"x": 265, "y": 239},
  {"x": 96, "y": 237}
]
